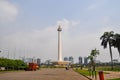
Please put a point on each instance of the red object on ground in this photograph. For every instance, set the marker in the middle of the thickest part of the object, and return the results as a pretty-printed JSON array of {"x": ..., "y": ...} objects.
[
  {"x": 101, "y": 75},
  {"x": 33, "y": 66}
]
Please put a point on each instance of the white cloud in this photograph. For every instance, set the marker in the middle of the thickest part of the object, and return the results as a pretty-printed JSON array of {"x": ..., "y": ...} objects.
[
  {"x": 92, "y": 7},
  {"x": 106, "y": 19},
  {"x": 64, "y": 23},
  {"x": 110, "y": 28},
  {"x": 42, "y": 43},
  {"x": 75, "y": 23},
  {"x": 8, "y": 11}
]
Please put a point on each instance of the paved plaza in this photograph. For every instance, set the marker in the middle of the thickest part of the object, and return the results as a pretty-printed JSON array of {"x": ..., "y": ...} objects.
[{"x": 43, "y": 74}]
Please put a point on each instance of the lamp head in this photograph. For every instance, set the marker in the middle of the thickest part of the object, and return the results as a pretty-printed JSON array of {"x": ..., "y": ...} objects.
[{"x": 59, "y": 28}]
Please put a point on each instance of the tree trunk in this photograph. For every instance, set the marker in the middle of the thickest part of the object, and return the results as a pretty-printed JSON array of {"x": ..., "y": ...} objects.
[
  {"x": 118, "y": 49},
  {"x": 111, "y": 56}
]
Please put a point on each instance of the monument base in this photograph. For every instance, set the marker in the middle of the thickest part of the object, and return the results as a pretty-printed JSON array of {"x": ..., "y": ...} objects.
[{"x": 61, "y": 63}]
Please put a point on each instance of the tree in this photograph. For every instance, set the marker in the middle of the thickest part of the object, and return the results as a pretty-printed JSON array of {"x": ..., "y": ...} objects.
[
  {"x": 107, "y": 39},
  {"x": 116, "y": 42},
  {"x": 92, "y": 63},
  {"x": 92, "y": 57},
  {"x": 12, "y": 64}
]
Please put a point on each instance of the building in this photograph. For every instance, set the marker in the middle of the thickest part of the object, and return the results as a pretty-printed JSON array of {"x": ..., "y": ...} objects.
[
  {"x": 80, "y": 60},
  {"x": 66, "y": 59},
  {"x": 38, "y": 61},
  {"x": 85, "y": 60},
  {"x": 115, "y": 61},
  {"x": 71, "y": 59}
]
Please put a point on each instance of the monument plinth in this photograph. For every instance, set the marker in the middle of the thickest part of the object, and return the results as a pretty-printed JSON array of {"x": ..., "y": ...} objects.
[{"x": 60, "y": 61}]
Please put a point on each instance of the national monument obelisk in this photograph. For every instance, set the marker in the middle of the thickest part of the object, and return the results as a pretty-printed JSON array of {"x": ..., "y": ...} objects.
[
  {"x": 59, "y": 43},
  {"x": 60, "y": 61}
]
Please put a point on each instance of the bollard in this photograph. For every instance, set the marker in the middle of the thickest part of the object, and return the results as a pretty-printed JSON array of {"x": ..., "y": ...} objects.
[{"x": 101, "y": 75}]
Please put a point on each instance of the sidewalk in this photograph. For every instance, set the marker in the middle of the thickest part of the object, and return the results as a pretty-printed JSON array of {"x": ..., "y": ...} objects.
[
  {"x": 112, "y": 75},
  {"x": 43, "y": 74},
  {"x": 109, "y": 75}
]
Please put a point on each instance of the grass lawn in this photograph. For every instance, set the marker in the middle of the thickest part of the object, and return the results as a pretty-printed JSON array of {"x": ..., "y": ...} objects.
[
  {"x": 83, "y": 71},
  {"x": 108, "y": 68},
  {"x": 115, "y": 79},
  {"x": 86, "y": 72}
]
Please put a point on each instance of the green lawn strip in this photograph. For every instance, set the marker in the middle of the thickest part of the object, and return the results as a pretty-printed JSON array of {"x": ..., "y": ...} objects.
[
  {"x": 114, "y": 79},
  {"x": 84, "y": 72},
  {"x": 108, "y": 68}
]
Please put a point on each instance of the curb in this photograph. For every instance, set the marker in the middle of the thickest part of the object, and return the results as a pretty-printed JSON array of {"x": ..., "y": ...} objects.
[{"x": 85, "y": 76}]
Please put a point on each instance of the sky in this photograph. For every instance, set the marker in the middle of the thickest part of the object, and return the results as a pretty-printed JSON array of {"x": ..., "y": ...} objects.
[{"x": 28, "y": 28}]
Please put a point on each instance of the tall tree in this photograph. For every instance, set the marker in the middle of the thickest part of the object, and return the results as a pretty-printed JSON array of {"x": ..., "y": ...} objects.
[
  {"x": 92, "y": 63},
  {"x": 92, "y": 57},
  {"x": 116, "y": 42},
  {"x": 107, "y": 39}
]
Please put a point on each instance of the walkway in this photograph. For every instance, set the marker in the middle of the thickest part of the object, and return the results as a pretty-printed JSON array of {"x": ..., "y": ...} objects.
[
  {"x": 108, "y": 75},
  {"x": 43, "y": 74},
  {"x": 111, "y": 75}
]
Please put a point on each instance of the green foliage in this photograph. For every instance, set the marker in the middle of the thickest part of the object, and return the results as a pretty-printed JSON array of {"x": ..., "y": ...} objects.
[
  {"x": 107, "y": 38},
  {"x": 108, "y": 68},
  {"x": 113, "y": 40},
  {"x": 92, "y": 57},
  {"x": 116, "y": 42},
  {"x": 84, "y": 72},
  {"x": 114, "y": 79},
  {"x": 10, "y": 64}
]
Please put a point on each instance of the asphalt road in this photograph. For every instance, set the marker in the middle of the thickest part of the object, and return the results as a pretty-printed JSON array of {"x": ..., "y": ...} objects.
[{"x": 43, "y": 74}]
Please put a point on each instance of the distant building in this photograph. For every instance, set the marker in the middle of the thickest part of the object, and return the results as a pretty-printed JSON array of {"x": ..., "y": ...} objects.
[
  {"x": 80, "y": 60},
  {"x": 66, "y": 59},
  {"x": 97, "y": 61},
  {"x": 38, "y": 61},
  {"x": 85, "y": 60},
  {"x": 115, "y": 61},
  {"x": 29, "y": 60},
  {"x": 71, "y": 59}
]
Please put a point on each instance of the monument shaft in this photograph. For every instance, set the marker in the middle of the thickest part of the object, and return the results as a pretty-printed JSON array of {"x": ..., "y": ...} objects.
[
  {"x": 59, "y": 44},
  {"x": 60, "y": 62}
]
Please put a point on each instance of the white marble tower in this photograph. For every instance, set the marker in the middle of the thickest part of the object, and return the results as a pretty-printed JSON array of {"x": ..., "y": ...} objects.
[
  {"x": 60, "y": 62},
  {"x": 59, "y": 43}
]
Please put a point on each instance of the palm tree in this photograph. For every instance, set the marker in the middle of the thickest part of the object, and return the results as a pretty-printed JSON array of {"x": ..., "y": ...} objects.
[
  {"x": 94, "y": 52},
  {"x": 107, "y": 39},
  {"x": 116, "y": 42},
  {"x": 92, "y": 57}
]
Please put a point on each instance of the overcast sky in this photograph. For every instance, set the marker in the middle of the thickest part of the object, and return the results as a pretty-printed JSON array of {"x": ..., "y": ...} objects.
[{"x": 29, "y": 27}]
